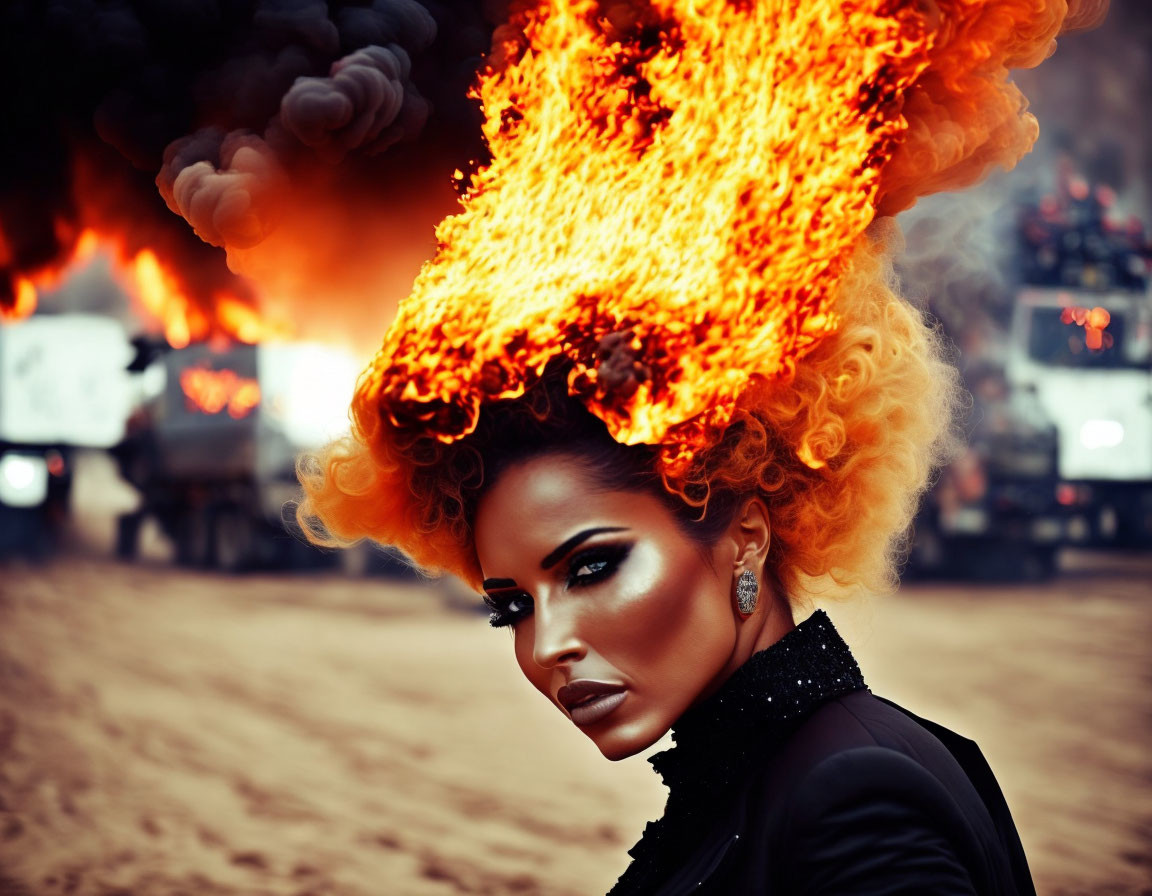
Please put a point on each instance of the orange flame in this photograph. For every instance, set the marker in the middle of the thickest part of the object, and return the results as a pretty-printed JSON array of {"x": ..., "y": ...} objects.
[
  {"x": 212, "y": 391},
  {"x": 158, "y": 291},
  {"x": 25, "y": 304},
  {"x": 697, "y": 174},
  {"x": 29, "y": 287}
]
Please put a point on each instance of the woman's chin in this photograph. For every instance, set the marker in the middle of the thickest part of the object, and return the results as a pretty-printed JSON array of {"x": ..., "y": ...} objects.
[{"x": 621, "y": 741}]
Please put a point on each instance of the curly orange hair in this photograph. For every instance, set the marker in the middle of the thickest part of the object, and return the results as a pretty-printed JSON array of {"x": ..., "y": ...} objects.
[{"x": 840, "y": 454}]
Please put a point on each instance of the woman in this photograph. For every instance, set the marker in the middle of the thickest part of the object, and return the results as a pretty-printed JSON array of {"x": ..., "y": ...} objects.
[
  {"x": 635, "y": 609},
  {"x": 657, "y": 388},
  {"x": 633, "y": 614}
]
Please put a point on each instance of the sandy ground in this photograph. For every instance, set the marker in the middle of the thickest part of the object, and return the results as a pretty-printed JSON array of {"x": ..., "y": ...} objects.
[{"x": 165, "y": 732}]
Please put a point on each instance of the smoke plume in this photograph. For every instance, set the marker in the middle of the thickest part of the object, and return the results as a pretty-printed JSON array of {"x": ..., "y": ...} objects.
[{"x": 237, "y": 115}]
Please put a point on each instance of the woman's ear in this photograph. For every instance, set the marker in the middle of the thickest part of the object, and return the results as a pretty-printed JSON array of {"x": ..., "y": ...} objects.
[{"x": 751, "y": 531}]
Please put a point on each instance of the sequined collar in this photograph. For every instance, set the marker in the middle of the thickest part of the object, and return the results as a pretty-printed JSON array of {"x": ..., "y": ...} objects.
[
  {"x": 758, "y": 705},
  {"x": 734, "y": 729}
]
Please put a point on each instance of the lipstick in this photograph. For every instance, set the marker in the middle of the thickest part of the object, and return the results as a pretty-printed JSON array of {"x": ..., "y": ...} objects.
[{"x": 590, "y": 701}]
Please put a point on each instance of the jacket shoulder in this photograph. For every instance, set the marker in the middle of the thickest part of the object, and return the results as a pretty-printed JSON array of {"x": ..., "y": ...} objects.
[
  {"x": 859, "y": 720},
  {"x": 863, "y": 773},
  {"x": 870, "y": 819}
]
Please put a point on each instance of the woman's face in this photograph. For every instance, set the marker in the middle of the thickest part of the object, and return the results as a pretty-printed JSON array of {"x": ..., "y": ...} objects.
[{"x": 619, "y": 618}]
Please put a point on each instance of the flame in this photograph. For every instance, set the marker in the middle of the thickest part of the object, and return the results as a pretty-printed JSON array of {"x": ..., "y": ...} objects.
[
  {"x": 29, "y": 287},
  {"x": 697, "y": 174},
  {"x": 159, "y": 292},
  {"x": 25, "y": 304},
  {"x": 212, "y": 391},
  {"x": 246, "y": 324}
]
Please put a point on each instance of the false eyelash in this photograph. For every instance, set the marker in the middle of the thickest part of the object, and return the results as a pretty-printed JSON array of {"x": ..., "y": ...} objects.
[
  {"x": 501, "y": 616},
  {"x": 611, "y": 555}
]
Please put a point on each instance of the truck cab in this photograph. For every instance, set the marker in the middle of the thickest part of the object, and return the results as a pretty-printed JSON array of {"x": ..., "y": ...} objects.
[{"x": 1100, "y": 401}]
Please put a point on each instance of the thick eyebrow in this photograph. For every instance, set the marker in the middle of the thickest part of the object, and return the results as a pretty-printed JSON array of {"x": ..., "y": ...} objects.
[
  {"x": 557, "y": 555},
  {"x": 497, "y": 584}
]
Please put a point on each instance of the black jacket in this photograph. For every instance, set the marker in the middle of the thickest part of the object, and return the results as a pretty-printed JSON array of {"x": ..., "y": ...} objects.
[{"x": 794, "y": 779}]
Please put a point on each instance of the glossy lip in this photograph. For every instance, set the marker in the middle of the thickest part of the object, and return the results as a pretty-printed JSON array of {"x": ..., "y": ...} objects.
[{"x": 589, "y": 701}]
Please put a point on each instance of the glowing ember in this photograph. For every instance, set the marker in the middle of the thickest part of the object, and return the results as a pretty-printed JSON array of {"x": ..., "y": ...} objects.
[
  {"x": 697, "y": 172},
  {"x": 213, "y": 391}
]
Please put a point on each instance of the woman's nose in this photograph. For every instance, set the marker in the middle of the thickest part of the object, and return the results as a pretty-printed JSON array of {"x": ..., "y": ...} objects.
[{"x": 556, "y": 637}]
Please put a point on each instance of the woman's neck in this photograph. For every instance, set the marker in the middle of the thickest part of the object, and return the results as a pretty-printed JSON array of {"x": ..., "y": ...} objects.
[{"x": 771, "y": 622}]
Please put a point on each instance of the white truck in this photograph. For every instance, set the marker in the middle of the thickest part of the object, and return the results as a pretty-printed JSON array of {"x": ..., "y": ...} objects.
[
  {"x": 63, "y": 386},
  {"x": 1101, "y": 404}
]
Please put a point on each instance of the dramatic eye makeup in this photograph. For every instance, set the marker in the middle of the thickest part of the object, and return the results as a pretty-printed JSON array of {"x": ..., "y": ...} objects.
[
  {"x": 510, "y": 603},
  {"x": 595, "y": 564},
  {"x": 569, "y": 545}
]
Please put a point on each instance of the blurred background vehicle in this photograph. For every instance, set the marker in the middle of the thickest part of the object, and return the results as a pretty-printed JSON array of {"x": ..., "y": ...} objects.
[
  {"x": 1101, "y": 405},
  {"x": 212, "y": 446},
  {"x": 1075, "y": 256},
  {"x": 63, "y": 386},
  {"x": 993, "y": 512},
  {"x": 1059, "y": 432}
]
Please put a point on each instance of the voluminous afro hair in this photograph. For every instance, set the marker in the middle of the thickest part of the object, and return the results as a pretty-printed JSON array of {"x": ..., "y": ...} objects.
[{"x": 840, "y": 452}]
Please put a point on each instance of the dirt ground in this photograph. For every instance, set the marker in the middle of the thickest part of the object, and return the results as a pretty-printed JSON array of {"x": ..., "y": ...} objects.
[{"x": 166, "y": 732}]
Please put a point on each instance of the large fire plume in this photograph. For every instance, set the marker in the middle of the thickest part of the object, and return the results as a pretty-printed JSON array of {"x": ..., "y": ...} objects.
[{"x": 695, "y": 175}]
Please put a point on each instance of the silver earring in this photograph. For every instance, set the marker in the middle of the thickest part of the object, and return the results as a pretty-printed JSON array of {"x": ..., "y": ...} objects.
[{"x": 746, "y": 590}]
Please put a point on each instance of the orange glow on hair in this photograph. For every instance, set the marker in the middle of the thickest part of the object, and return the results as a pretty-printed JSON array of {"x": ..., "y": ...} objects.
[{"x": 697, "y": 177}]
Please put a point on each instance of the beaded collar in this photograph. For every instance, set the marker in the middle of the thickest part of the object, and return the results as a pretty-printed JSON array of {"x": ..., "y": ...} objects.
[
  {"x": 716, "y": 741},
  {"x": 759, "y": 703}
]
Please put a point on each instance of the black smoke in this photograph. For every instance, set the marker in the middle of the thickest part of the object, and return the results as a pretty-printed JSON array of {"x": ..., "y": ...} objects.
[{"x": 117, "y": 113}]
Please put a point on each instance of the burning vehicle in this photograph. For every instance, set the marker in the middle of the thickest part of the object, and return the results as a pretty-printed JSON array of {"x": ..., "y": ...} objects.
[
  {"x": 63, "y": 387},
  {"x": 212, "y": 448}
]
